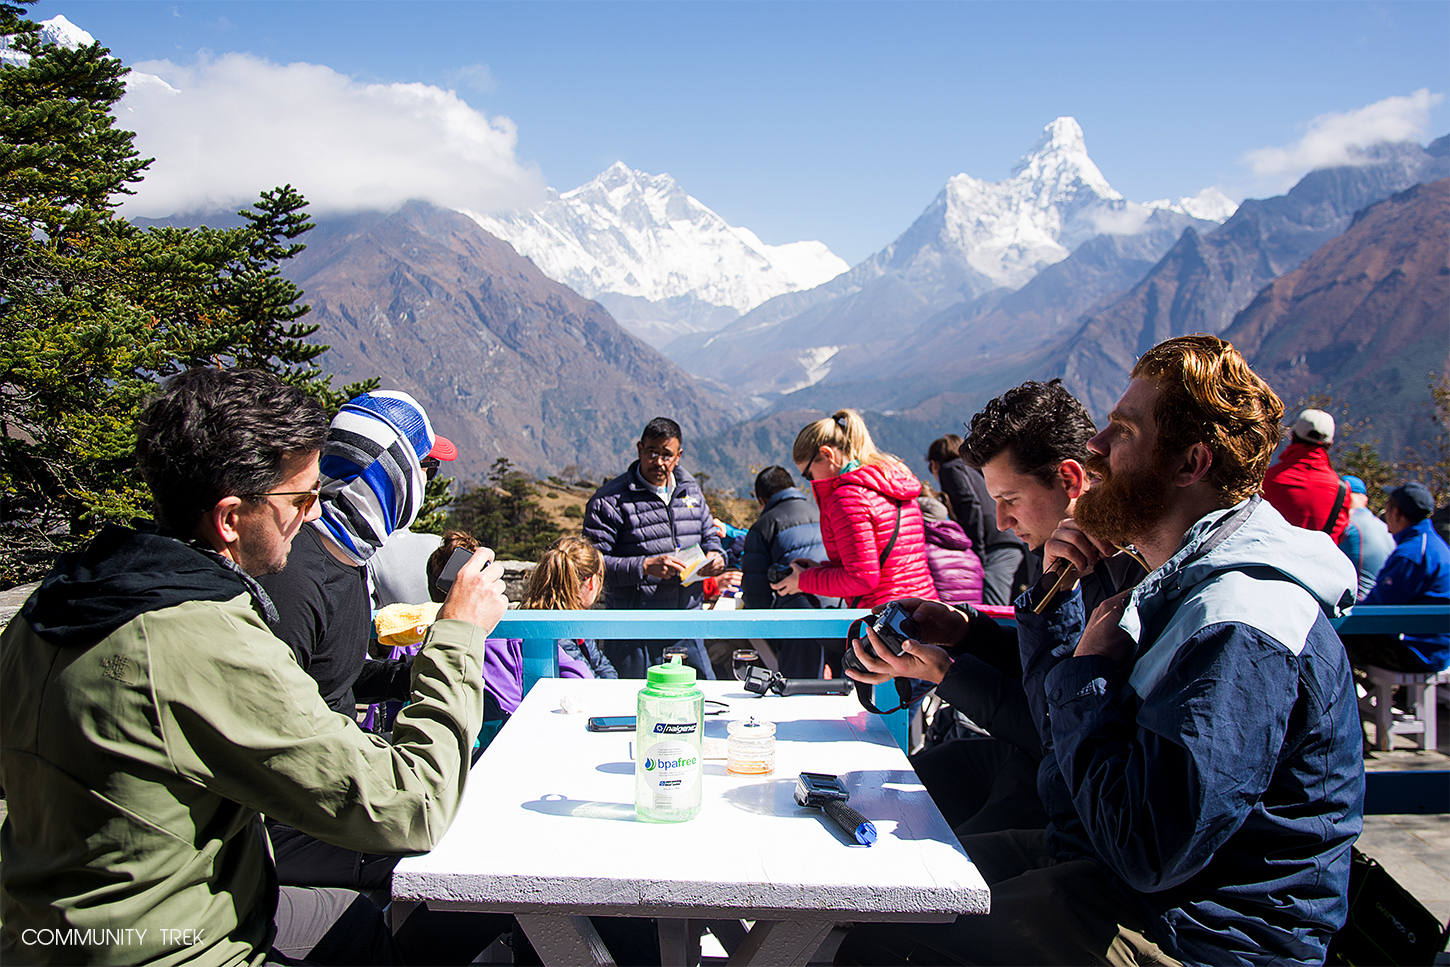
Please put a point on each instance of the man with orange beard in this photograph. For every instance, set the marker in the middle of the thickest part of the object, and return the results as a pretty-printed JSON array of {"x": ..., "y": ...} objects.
[{"x": 1202, "y": 768}]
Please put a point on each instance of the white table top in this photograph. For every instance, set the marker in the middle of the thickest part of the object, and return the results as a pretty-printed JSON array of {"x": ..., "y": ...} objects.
[{"x": 547, "y": 823}]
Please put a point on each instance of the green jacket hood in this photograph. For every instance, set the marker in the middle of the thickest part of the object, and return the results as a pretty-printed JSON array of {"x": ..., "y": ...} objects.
[{"x": 122, "y": 573}]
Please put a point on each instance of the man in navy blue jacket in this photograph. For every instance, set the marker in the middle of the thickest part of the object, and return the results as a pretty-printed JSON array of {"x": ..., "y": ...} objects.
[
  {"x": 643, "y": 522},
  {"x": 1202, "y": 767}
]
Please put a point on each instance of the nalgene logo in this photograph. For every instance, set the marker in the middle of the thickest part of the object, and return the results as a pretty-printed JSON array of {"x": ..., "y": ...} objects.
[{"x": 675, "y": 728}]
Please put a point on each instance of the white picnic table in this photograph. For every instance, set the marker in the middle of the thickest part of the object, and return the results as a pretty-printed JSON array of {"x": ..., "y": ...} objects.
[{"x": 547, "y": 832}]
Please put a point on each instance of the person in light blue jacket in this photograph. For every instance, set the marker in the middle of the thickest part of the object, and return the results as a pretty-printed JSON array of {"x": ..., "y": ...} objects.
[
  {"x": 1202, "y": 772},
  {"x": 1366, "y": 540}
]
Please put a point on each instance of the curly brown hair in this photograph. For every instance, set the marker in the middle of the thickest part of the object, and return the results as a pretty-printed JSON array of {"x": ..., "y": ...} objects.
[{"x": 1209, "y": 395}]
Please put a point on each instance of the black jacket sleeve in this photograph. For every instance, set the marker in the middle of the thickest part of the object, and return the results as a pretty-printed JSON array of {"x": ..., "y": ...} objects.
[
  {"x": 985, "y": 683},
  {"x": 379, "y": 681},
  {"x": 966, "y": 506}
]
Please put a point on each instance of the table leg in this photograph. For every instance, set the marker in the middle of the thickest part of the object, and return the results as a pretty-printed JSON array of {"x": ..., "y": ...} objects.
[
  {"x": 781, "y": 942},
  {"x": 398, "y": 912},
  {"x": 679, "y": 942},
  {"x": 565, "y": 940}
]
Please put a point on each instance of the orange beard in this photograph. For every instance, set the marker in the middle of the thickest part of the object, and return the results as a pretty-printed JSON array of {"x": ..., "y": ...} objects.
[{"x": 1121, "y": 508}]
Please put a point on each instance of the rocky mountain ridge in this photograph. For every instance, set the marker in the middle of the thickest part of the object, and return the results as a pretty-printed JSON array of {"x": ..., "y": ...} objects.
[
  {"x": 1203, "y": 282},
  {"x": 506, "y": 361},
  {"x": 1365, "y": 319}
]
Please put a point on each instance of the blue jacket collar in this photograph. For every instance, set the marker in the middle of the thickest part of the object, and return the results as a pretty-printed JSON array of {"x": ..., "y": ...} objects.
[
  {"x": 1414, "y": 531},
  {"x": 1262, "y": 539},
  {"x": 789, "y": 493}
]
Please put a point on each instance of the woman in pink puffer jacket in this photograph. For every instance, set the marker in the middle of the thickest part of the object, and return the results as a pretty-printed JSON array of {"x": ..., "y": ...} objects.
[{"x": 871, "y": 525}]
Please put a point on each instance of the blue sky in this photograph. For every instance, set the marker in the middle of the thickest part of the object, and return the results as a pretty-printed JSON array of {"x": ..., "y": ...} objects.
[{"x": 835, "y": 121}]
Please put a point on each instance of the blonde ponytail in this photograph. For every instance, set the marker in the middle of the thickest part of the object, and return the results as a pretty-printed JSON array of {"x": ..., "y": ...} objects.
[
  {"x": 845, "y": 432},
  {"x": 561, "y": 573}
]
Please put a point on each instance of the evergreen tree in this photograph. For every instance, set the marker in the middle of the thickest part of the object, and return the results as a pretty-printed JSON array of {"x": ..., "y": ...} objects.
[
  {"x": 95, "y": 312},
  {"x": 505, "y": 514}
]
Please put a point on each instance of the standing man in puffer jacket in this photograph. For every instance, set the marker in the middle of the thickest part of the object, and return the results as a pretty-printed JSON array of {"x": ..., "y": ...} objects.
[{"x": 643, "y": 521}]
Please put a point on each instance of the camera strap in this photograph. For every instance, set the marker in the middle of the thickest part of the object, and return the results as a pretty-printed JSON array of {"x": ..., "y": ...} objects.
[{"x": 863, "y": 692}]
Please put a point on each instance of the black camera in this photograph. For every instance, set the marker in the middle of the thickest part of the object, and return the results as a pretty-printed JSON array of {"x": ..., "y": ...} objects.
[
  {"x": 893, "y": 626},
  {"x": 777, "y": 572}
]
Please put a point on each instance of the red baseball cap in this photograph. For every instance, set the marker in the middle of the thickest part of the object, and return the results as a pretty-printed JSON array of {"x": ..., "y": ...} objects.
[{"x": 443, "y": 449}]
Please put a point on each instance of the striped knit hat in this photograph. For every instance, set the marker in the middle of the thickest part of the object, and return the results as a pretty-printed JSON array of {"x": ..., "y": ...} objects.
[{"x": 372, "y": 484}]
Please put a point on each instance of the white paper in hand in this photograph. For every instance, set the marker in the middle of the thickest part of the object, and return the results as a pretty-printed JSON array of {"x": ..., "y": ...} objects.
[{"x": 693, "y": 557}]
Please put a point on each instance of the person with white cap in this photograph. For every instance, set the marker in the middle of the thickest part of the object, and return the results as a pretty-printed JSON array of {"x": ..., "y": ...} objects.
[
  {"x": 1302, "y": 485},
  {"x": 373, "y": 484},
  {"x": 381, "y": 450}
]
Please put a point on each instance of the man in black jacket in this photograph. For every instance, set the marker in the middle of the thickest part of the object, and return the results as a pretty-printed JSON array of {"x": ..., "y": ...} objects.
[
  {"x": 1001, "y": 551},
  {"x": 1031, "y": 446},
  {"x": 788, "y": 529}
]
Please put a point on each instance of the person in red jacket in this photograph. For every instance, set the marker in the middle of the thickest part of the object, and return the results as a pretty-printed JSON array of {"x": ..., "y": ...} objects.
[
  {"x": 1302, "y": 485},
  {"x": 871, "y": 527}
]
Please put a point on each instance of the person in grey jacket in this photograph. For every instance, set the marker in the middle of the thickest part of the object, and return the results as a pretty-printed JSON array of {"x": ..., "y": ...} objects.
[{"x": 643, "y": 522}]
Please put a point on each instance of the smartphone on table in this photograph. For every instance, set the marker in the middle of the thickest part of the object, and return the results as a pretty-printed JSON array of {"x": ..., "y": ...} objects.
[{"x": 611, "y": 723}]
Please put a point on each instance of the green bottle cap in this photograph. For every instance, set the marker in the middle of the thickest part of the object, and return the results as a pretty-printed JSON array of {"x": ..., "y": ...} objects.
[{"x": 674, "y": 672}]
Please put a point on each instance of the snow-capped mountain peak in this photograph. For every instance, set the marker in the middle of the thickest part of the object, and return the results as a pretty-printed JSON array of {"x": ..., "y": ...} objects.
[
  {"x": 57, "y": 30},
  {"x": 1059, "y": 161},
  {"x": 979, "y": 235},
  {"x": 1210, "y": 204},
  {"x": 633, "y": 234}
]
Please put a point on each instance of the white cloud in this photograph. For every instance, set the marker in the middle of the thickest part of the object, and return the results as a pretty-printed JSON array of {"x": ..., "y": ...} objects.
[
  {"x": 1334, "y": 139},
  {"x": 225, "y": 128}
]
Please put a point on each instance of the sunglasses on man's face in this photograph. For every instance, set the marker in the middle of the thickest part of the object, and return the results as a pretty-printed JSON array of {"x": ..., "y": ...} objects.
[
  {"x": 429, "y": 466},
  {"x": 308, "y": 497}
]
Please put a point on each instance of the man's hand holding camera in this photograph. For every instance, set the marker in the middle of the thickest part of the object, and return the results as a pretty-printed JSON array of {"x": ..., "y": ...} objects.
[{"x": 934, "y": 621}]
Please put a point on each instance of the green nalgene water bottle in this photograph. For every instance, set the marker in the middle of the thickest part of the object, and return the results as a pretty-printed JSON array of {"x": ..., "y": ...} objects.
[{"x": 669, "y": 733}]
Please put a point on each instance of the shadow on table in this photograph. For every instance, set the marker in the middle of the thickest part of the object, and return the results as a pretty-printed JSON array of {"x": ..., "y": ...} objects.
[
  {"x": 616, "y": 768},
  {"x": 583, "y": 808}
]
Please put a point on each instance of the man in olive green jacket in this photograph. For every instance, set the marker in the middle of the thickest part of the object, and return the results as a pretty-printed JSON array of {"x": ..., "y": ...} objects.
[{"x": 150, "y": 716}]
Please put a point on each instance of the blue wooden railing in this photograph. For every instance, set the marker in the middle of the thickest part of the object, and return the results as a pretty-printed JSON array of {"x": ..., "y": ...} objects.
[{"x": 539, "y": 629}]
